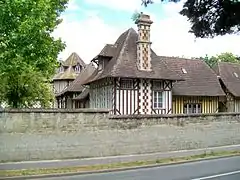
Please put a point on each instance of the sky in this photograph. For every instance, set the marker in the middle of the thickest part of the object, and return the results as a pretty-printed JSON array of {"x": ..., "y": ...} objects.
[{"x": 90, "y": 24}]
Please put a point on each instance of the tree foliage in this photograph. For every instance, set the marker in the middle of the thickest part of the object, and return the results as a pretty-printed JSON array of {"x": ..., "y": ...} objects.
[
  {"x": 28, "y": 52},
  {"x": 223, "y": 57},
  {"x": 210, "y": 18}
]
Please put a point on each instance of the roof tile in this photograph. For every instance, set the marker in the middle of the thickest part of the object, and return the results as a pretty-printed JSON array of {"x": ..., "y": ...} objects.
[
  {"x": 76, "y": 85},
  {"x": 226, "y": 72},
  {"x": 200, "y": 79},
  {"x": 124, "y": 62}
]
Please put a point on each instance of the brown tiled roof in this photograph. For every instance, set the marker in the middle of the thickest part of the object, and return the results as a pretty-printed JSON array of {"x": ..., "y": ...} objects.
[
  {"x": 124, "y": 62},
  {"x": 73, "y": 60},
  {"x": 200, "y": 79},
  {"x": 83, "y": 95},
  {"x": 226, "y": 72},
  {"x": 69, "y": 64},
  {"x": 76, "y": 85},
  {"x": 108, "y": 50}
]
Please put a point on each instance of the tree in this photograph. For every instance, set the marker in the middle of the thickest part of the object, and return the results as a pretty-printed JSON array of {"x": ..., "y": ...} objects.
[
  {"x": 210, "y": 18},
  {"x": 223, "y": 57},
  {"x": 28, "y": 52}
]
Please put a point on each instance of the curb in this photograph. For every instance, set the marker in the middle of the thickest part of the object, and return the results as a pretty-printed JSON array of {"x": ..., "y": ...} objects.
[{"x": 111, "y": 170}]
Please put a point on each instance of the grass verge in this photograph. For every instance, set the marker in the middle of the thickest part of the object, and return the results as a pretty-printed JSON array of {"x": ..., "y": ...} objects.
[{"x": 44, "y": 171}]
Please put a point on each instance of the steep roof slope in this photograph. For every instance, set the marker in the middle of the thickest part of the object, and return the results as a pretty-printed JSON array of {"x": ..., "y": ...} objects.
[
  {"x": 200, "y": 79},
  {"x": 124, "y": 62},
  {"x": 68, "y": 64},
  {"x": 108, "y": 50},
  {"x": 69, "y": 73},
  {"x": 83, "y": 95},
  {"x": 73, "y": 60},
  {"x": 230, "y": 76},
  {"x": 76, "y": 85}
]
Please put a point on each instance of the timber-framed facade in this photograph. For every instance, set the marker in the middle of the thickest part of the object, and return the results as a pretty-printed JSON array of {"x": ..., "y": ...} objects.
[
  {"x": 66, "y": 73},
  {"x": 131, "y": 79},
  {"x": 200, "y": 92},
  {"x": 131, "y": 96},
  {"x": 74, "y": 96}
]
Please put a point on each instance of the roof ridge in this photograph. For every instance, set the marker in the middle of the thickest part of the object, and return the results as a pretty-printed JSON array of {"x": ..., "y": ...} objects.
[
  {"x": 234, "y": 63},
  {"x": 78, "y": 78},
  {"x": 125, "y": 34},
  {"x": 122, "y": 48},
  {"x": 80, "y": 74},
  {"x": 74, "y": 55},
  {"x": 211, "y": 68},
  {"x": 228, "y": 63},
  {"x": 216, "y": 69},
  {"x": 175, "y": 57}
]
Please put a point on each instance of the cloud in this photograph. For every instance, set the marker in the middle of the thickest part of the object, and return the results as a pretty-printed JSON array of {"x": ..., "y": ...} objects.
[
  {"x": 72, "y": 5},
  {"x": 125, "y": 5},
  {"x": 169, "y": 35},
  {"x": 86, "y": 37}
]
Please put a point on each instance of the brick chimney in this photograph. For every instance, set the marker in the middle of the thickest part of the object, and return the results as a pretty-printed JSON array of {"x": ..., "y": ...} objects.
[{"x": 143, "y": 44}]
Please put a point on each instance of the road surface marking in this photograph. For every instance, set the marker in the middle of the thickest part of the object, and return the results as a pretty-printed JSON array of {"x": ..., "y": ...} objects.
[{"x": 217, "y": 175}]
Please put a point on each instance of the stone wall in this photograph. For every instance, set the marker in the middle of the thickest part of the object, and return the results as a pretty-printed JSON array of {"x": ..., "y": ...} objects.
[{"x": 61, "y": 134}]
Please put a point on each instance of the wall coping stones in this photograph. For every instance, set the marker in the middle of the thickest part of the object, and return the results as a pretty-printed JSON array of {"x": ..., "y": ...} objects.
[
  {"x": 102, "y": 110},
  {"x": 54, "y": 110},
  {"x": 171, "y": 115}
]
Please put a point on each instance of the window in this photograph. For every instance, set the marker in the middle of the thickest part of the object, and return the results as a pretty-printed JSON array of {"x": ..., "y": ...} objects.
[
  {"x": 77, "y": 69},
  {"x": 157, "y": 85},
  {"x": 100, "y": 65},
  {"x": 192, "y": 108},
  {"x": 184, "y": 71},
  {"x": 235, "y": 74},
  {"x": 126, "y": 84},
  {"x": 157, "y": 99},
  {"x": 61, "y": 69}
]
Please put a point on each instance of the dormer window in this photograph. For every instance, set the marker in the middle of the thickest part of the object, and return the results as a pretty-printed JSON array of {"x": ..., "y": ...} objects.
[
  {"x": 61, "y": 69},
  {"x": 235, "y": 74},
  {"x": 100, "y": 65},
  {"x": 184, "y": 71},
  {"x": 77, "y": 69}
]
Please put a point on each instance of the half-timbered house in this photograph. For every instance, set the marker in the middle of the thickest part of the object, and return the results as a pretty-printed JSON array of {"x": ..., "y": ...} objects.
[
  {"x": 200, "y": 92},
  {"x": 131, "y": 78},
  {"x": 66, "y": 73},
  {"x": 70, "y": 96},
  {"x": 229, "y": 77}
]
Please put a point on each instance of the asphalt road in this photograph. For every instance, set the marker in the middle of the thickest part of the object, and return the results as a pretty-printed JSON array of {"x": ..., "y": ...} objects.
[{"x": 217, "y": 169}]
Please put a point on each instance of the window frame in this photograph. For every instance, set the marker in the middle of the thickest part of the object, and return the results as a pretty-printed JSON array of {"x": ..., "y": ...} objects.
[
  {"x": 188, "y": 108},
  {"x": 77, "y": 69},
  {"x": 184, "y": 71},
  {"x": 235, "y": 74},
  {"x": 61, "y": 69},
  {"x": 100, "y": 65},
  {"x": 126, "y": 84},
  {"x": 156, "y": 104}
]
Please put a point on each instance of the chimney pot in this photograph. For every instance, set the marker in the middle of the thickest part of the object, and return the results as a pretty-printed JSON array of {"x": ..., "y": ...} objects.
[{"x": 143, "y": 18}]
